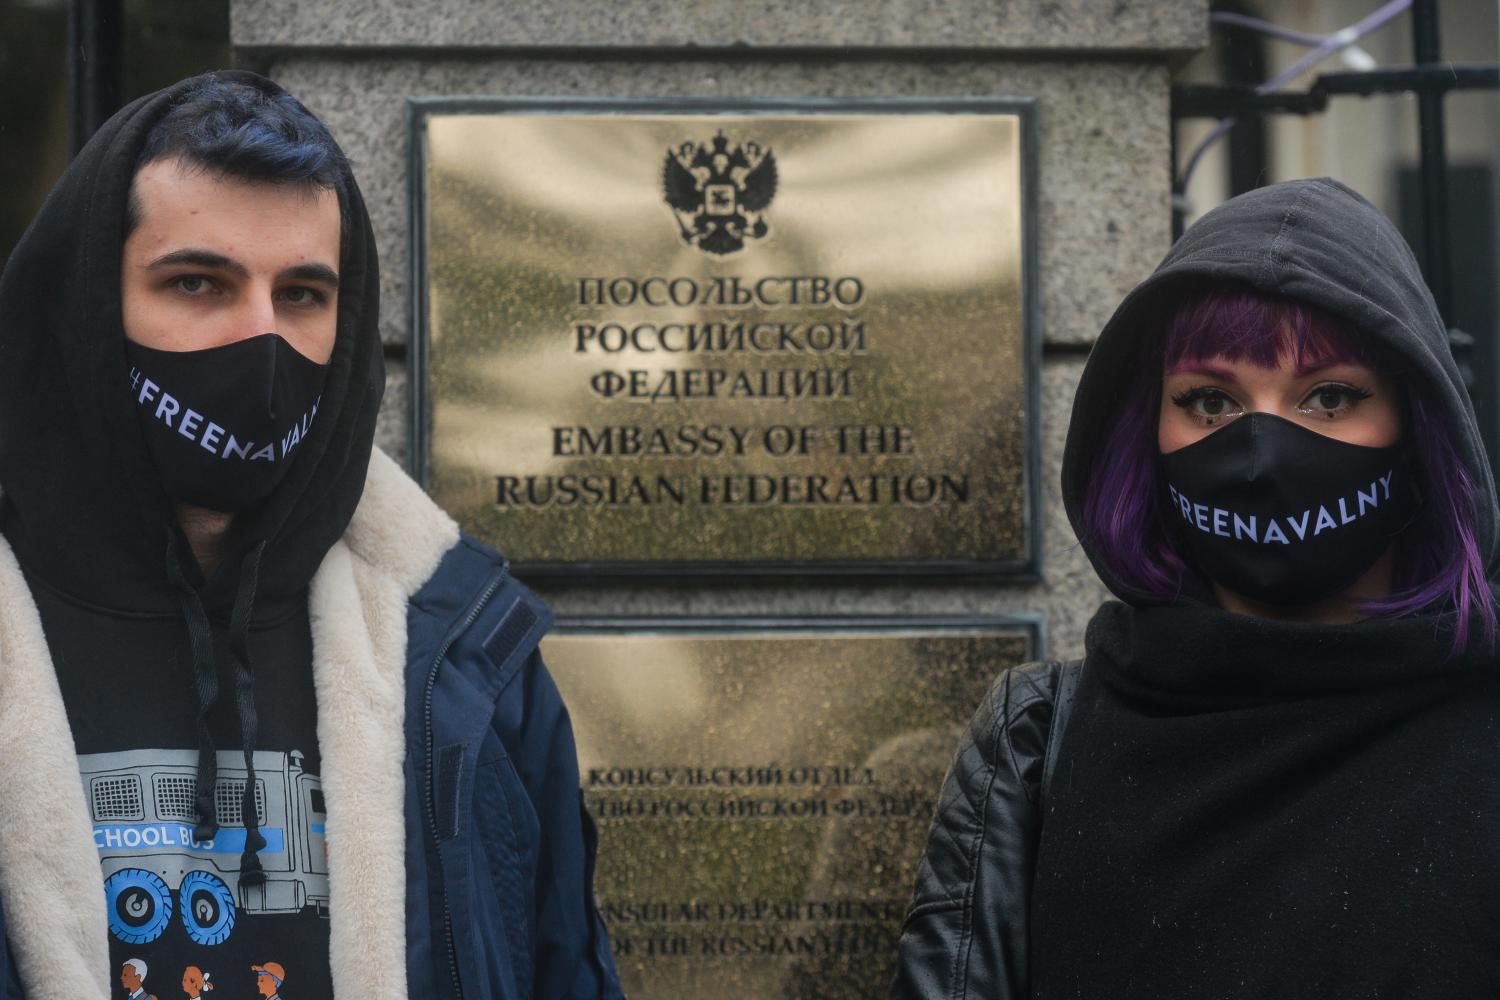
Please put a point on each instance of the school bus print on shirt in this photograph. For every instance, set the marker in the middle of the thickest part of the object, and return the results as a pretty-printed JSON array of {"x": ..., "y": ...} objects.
[{"x": 143, "y": 807}]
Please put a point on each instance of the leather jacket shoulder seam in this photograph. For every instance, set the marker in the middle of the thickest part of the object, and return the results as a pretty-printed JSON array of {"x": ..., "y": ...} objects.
[
  {"x": 1041, "y": 694},
  {"x": 1067, "y": 685},
  {"x": 999, "y": 727},
  {"x": 1010, "y": 748},
  {"x": 958, "y": 973}
]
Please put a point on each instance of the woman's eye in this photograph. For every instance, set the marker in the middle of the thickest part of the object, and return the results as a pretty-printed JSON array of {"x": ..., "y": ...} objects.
[
  {"x": 1332, "y": 400},
  {"x": 1211, "y": 406},
  {"x": 1207, "y": 406}
]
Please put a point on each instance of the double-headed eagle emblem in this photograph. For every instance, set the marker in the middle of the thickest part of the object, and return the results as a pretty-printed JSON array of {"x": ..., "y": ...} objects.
[{"x": 718, "y": 194}]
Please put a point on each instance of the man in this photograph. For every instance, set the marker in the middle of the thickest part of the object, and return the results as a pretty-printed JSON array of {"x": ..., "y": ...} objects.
[
  {"x": 268, "y": 980},
  {"x": 202, "y": 551},
  {"x": 133, "y": 978}
]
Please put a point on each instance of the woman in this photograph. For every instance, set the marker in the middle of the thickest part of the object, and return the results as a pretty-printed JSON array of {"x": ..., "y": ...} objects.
[{"x": 1276, "y": 772}]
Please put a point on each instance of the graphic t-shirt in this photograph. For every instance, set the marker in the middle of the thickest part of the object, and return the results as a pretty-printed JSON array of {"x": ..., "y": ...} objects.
[{"x": 180, "y": 925}]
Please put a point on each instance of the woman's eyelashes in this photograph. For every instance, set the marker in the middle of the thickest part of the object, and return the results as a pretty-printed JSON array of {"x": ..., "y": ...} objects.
[
  {"x": 1332, "y": 400},
  {"x": 1207, "y": 405},
  {"x": 1210, "y": 406}
]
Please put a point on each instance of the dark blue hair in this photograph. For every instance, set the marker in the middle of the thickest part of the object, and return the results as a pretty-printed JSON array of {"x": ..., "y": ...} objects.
[{"x": 238, "y": 130}]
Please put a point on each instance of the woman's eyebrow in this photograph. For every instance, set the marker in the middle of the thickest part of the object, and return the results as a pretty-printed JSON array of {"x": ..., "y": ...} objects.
[
  {"x": 1202, "y": 368},
  {"x": 1318, "y": 366}
]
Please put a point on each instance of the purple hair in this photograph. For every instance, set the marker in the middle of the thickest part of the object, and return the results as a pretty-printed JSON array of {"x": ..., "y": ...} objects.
[{"x": 1437, "y": 558}]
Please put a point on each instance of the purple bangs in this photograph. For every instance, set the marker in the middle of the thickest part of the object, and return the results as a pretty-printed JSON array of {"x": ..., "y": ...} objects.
[
  {"x": 1244, "y": 326},
  {"x": 1438, "y": 564}
]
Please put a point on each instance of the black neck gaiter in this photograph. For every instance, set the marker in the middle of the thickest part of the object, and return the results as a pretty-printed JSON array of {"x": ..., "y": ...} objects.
[
  {"x": 1244, "y": 808},
  {"x": 223, "y": 424},
  {"x": 1282, "y": 514}
]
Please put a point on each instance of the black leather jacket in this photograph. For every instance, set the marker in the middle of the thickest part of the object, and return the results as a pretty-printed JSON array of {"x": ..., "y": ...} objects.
[{"x": 966, "y": 932}]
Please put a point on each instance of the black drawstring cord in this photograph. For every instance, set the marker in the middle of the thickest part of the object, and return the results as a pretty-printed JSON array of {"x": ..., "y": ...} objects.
[
  {"x": 208, "y": 690},
  {"x": 201, "y": 637},
  {"x": 251, "y": 872}
]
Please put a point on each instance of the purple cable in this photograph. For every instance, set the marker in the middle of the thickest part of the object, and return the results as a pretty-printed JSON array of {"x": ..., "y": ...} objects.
[
  {"x": 1333, "y": 43},
  {"x": 1267, "y": 28}
]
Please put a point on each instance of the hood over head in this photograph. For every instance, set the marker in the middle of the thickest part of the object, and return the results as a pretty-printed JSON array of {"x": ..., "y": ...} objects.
[
  {"x": 83, "y": 503},
  {"x": 1314, "y": 241}
]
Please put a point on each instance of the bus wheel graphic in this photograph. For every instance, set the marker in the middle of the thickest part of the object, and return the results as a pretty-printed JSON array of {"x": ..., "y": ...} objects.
[
  {"x": 139, "y": 904},
  {"x": 207, "y": 908}
]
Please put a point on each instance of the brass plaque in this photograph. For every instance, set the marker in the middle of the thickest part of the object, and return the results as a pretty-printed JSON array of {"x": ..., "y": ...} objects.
[
  {"x": 791, "y": 339},
  {"x": 763, "y": 794}
]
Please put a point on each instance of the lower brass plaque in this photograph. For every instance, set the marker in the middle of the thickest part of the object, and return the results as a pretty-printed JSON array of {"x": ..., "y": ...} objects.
[
  {"x": 763, "y": 792},
  {"x": 703, "y": 338}
]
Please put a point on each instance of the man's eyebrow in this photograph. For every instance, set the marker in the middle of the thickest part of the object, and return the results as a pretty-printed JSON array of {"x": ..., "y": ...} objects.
[
  {"x": 199, "y": 258},
  {"x": 321, "y": 273}
]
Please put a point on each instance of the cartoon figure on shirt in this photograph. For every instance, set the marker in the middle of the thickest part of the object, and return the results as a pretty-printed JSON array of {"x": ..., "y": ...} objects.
[
  {"x": 133, "y": 978},
  {"x": 268, "y": 979},
  {"x": 195, "y": 982}
]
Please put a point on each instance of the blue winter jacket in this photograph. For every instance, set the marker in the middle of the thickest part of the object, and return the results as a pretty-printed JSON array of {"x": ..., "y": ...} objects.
[
  {"x": 499, "y": 850},
  {"x": 499, "y": 847}
]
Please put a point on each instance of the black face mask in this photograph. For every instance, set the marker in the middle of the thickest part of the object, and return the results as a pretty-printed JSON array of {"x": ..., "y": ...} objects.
[
  {"x": 223, "y": 424},
  {"x": 1283, "y": 514}
]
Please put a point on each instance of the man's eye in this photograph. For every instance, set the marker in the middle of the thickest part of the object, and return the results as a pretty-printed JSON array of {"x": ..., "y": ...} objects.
[
  {"x": 192, "y": 284},
  {"x": 302, "y": 296}
]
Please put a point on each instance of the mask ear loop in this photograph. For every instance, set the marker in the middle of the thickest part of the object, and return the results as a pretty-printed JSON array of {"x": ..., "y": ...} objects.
[
  {"x": 1409, "y": 466},
  {"x": 1411, "y": 463}
]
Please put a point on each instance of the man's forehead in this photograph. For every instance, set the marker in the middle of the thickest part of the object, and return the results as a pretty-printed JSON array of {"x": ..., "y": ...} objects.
[
  {"x": 173, "y": 174},
  {"x": 176, "y": 202}
]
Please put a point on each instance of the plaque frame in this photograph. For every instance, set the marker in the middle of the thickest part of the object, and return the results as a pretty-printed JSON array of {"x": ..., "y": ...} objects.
[
  {"x": 1032, "y": 624},
  {"x": 1028, "y": 569},
  {"x": 631, "y": 874}
]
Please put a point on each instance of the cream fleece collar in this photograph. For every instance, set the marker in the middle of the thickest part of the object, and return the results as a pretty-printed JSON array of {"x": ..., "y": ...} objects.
[{"x": 50, "y": 882}]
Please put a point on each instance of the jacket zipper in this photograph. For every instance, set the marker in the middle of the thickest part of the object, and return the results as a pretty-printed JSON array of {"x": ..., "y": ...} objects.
[{"x": 432, "y": 823}]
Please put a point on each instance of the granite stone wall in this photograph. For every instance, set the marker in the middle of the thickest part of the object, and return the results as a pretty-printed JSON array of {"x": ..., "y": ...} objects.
[{"x": 1099, "y": 69}]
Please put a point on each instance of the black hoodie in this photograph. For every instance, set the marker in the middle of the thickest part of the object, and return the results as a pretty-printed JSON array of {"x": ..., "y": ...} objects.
[
  {"x": 83, "y": 504},
  {"x": 84, "y": 510},
  {"x": 1315, "y": 241},
  {"x": 1248, "y": 808}
]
